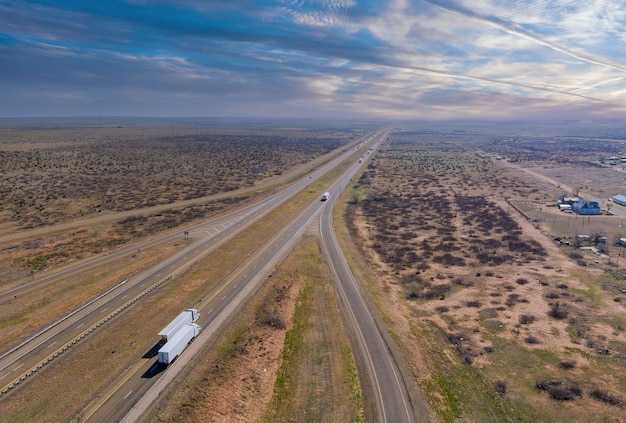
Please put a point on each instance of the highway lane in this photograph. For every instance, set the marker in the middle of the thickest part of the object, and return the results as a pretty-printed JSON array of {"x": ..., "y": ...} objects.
[
  {"x": 215, "y": 309},
  {"x": 33, "y": 350},
  {"x": 385, "y": 383},
  {"x": 27, "y": 357}
]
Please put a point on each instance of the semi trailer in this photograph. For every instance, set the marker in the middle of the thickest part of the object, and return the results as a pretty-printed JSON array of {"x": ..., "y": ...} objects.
[
  {"x": 178, "y": 342},
  {"x": 188, "y": 316}
]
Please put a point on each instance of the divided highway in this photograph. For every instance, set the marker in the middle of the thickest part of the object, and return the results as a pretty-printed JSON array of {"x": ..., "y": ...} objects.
[
  {"x": 24, "y": 360},
  {"x": 140, "y": 385}
]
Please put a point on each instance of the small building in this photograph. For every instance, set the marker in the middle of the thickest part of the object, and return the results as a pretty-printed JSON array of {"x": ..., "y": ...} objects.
[
  {"x": 586, "y": 207},
  {"x": 620, "y": 199}
]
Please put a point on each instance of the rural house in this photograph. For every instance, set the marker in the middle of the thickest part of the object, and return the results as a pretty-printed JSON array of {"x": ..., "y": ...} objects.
[{"x": 586, "y": 207}]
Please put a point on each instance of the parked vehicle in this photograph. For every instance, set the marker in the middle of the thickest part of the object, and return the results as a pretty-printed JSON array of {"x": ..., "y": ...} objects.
[{"x": 178, "y": 342}]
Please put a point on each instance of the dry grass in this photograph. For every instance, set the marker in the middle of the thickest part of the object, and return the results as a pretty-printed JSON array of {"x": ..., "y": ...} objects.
[{"x": 310, "y": 359}]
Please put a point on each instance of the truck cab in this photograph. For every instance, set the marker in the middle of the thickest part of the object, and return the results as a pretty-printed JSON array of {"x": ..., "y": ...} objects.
[{"x": 325, "y": 196}]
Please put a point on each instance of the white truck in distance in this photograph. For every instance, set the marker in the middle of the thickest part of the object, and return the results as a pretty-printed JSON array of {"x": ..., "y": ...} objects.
[
  {"x": 178, "y": 343},
  {"x": 326, "y": 196},
  {"x": 188, "y": 316}
]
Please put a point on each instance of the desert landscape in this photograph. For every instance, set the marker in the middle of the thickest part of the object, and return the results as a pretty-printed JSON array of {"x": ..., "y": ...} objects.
[
  {"x": 498, "y": 320},
  {"x": 500, "y": 312}
]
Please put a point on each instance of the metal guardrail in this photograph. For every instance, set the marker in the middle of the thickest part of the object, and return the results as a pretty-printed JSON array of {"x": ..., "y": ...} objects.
[{"x": 82, "y": 336}]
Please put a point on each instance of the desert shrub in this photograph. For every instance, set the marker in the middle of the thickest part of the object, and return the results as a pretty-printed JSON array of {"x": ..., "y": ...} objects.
[
  {"x": 461, "y": 282},
  {"x": 441, "y": 309},
  {"x": 552, "y": 295},
  {"x": 500, "y": 387},
  {"x": 606, "y": 397},
  {"x": 512, "y": 299},
  {"x": 558, "y": 311},
  {"x": 449, "y": 260},
  {"x": 521, "y": 281},
  {"x": 564, "y": 392},
  {"x": 562, "y": 286},
  {"x": 437, "y": 291},
  {"x": 272, "y": 319},
  {"x": 473, "y": 303},
  {"x": 575, "y": 255},
  {"x": 560, "y": 391},
  {"x": 532, "y": 340},
  {"x": 467, "y": 353},
  {"x": 526, "y": 319},
  {"x": 423, "y": 266},
  {"x": 413, "y": 290},
  {"x": 567, "y": 365},
  {"x": 490, "y": 313}
]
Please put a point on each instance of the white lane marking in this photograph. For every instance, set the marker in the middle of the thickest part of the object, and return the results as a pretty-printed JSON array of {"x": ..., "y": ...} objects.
[
  {"x": 49, "y": 346},
  {"x": 126, "y": 396}
]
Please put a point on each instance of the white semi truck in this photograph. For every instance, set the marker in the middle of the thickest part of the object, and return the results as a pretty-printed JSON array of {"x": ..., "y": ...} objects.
[
  {"x": 178, "y": 342},
  {"x": 326, "y": 196},
  {"x": 188, "y": 316}
]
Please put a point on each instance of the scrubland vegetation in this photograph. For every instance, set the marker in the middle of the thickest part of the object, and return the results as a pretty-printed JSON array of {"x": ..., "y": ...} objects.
[
  {"x": 56, "y": 174},
  {"x": 458, "y": 267}
]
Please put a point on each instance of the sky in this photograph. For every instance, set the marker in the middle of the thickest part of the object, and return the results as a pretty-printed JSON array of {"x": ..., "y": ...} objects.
[{"x": 395, "y": 59}]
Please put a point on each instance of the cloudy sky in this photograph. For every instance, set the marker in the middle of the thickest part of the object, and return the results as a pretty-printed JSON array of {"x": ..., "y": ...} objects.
[{"x": 415, "y": 59}]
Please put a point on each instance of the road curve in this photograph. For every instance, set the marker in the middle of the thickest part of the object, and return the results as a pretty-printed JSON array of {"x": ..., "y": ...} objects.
[{"x": 385, "y": 381}]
